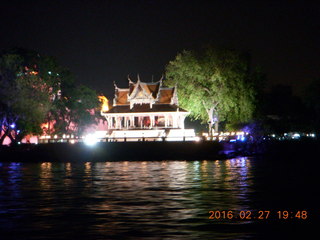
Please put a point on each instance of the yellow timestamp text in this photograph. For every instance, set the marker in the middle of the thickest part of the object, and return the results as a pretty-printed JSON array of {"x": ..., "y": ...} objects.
[{"x": 257, "y": 215}]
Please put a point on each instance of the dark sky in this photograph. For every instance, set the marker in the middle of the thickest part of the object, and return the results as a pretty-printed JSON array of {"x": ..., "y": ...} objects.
[{"x": 104, "y": 41}]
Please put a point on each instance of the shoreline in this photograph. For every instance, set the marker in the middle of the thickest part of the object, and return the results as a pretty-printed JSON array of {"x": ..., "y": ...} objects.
[{"x": 152, "y": 151}]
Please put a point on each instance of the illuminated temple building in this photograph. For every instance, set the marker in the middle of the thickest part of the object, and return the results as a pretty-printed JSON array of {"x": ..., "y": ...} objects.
[{"x": 147, "y": 110}]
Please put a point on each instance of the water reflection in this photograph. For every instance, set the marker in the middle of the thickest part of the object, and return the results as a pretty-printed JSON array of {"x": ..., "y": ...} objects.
[
  {"x": 68, "y": 175},
  {"x": 173, "y": 191},
  {"x": 171, "y": 198}
]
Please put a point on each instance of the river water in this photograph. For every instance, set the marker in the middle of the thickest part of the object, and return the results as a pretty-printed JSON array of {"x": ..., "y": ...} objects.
[{"x": 156, "y": 199}]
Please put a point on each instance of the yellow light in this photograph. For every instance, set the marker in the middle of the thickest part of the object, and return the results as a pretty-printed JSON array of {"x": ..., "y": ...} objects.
[
  {"x": 33, "y": 73},
  {"x": 105, "y": 103}
]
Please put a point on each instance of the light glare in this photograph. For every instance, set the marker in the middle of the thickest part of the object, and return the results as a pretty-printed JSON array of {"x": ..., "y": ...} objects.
[{"x": 90, "y": 140}]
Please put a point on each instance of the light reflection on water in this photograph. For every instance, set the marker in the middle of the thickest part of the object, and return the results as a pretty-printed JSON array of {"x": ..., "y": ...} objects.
[{"x": 167, "y": 199}]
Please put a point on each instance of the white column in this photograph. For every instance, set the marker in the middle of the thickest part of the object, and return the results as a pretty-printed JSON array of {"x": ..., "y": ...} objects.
[
  {"x": 174, "y": 120},
  {"x": 126, "y": 122},
  {"x": 152, "y": 121},
  {"x": 182, "y": 121},
  {"x": 120, "y": 122},
  {"x": 108, "y": 122},
  {"x": 111, "y": 122},
  {"x": 169, "y": 121},
  {"x": 115, "y": 122},
  {"x": 179, "y": 121}
]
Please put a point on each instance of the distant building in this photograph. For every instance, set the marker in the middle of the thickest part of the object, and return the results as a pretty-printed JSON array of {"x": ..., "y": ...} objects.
[{"x": 147, "y": 110}]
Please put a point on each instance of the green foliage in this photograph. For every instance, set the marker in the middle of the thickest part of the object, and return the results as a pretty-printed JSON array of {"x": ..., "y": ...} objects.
[
  {"x": 75, "y": 109},
  {"x": 35, "y": 89},
  {"x": 24, "y": 97},
  {"x": 214, "y": 85},
  {"x": 79, "y": 109}
]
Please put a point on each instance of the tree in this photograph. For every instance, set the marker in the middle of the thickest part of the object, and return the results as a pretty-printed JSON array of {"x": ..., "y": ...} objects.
[
  {"x": 35, "y": 89},
  {"x": 214, "y": 85},
  {"x": 75, "y": 110},
  {"x": 312, "y": 102},
  {"x": 283, "y": 111},
  {"x": 24, "y": 96}
]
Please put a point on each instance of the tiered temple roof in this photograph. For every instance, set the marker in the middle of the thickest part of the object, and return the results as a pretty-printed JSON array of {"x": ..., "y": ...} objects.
[
  {"x": 148, "y": 106},
  {"x": 145, "y": 97},
  {"x": 146, "y": 110}
]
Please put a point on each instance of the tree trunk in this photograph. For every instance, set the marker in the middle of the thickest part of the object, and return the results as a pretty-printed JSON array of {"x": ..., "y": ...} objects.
[
  {"x": 216, "y": 124},
  {"x": 5, "y": 134},
  {"x": 211, "y": 120},
  {"x": 20, "y": 136},
  {"x": 2, "y": 138},
  {"x": 212, "y": 117},
  {"x": 210, "y": 129},
  {"x": 13, "y": 139}
]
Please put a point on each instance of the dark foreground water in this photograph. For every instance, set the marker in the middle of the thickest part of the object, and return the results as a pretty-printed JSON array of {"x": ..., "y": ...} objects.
[{"x": 159, "y": 199}]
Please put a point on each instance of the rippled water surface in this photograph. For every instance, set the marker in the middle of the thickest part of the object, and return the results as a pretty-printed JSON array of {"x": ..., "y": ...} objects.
[{"x": 151, "y": 200}]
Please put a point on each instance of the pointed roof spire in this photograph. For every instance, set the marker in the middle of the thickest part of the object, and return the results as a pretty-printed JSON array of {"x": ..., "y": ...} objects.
[
  {"x": 130, "y": 81},
  {"x": 115, "y": 85},
  {"x": 161, "y": 80},
  {"x": 138, "y": 77}
]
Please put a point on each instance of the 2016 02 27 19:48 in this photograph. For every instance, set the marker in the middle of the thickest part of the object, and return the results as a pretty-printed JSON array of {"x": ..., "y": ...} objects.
[{"x": 259, "y": 215}]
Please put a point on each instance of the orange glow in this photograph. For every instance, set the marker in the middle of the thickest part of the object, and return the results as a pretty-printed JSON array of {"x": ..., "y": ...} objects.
[
  {"x": 105, "y": 103},
  {"x": 45, "y": 125},
  {"x": 33, "y": 73}
]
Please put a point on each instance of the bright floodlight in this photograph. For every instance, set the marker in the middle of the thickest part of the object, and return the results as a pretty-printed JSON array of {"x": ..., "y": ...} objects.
[
  {"x": 197, "y": 139},
  {"x": 90, "y": 140}
]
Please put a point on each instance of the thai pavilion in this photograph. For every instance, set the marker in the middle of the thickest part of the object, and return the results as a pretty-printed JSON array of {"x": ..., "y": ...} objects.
[{"x": 147, "y": 111}]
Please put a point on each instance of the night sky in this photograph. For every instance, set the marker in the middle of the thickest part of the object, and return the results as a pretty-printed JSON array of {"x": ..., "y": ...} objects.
[{"x": 104, "y": 41}]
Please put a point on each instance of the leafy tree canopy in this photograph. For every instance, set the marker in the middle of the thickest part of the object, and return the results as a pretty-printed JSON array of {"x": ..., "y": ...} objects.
[
  {"x": 35, "y": 89},
  {"x": 77, "y": 108},
  {"x": 24, "y": 95},
  {"x": 215, "y": 85}
]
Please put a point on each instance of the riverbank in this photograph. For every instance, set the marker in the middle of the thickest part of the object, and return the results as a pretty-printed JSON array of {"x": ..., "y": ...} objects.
[
  {"x": 132, "y": 151},
  {"x": 114, "y": 151}
]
